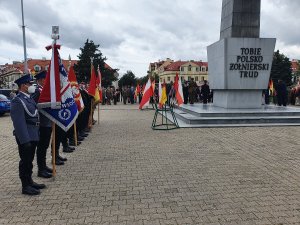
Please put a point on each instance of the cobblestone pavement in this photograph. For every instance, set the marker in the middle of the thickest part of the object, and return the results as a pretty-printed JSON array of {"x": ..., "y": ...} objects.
[{"x": 126, "y": 173}]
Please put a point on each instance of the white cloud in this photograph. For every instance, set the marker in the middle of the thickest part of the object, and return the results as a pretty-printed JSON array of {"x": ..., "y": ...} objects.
[{"x": 133, "y": 33}]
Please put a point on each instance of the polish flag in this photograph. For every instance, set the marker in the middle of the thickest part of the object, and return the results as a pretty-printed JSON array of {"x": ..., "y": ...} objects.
[
  {"x": 51, "y": 94},
  {"x": 178, "y": 90},
  {"x": 148, "y": 92}
]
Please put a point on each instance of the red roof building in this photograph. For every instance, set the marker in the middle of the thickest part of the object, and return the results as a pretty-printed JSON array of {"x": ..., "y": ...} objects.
[{"x": 187, "y": 70}]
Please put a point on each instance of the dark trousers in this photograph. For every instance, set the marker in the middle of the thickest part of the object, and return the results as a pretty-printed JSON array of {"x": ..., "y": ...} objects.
[
  {"x": 43, "y": 144},
  {"x": 60, "y": 137},
  {"x": 25, "y": 165},
  {"x": 205, "y": 99}
]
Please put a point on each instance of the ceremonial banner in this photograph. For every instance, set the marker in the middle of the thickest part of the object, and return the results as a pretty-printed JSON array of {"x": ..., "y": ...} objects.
[
  {"x": 93, "y": 89},
  {"x": 99, "y": 84},
  {"x": 178, "y": 90},
  {"x": 50, "y": 96},
  {"x": 75, "y": 89},
  {"x": 67, "y": 114}
]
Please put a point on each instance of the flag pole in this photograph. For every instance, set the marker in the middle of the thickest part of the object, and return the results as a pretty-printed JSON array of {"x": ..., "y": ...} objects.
[
  {"x": 75, "y": 133},
  {"x": 98, "y": 112},
  {"x": 53, "y": 150}
]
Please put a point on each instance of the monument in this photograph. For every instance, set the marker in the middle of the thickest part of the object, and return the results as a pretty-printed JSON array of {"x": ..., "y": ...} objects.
[
  {"x": 239, "y": 70},
  {"x": 240, "y": 62}
]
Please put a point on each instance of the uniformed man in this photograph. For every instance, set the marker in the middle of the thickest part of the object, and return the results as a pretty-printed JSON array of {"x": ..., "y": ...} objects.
[
  {"x": 25, "y": 117},
  {"x": 45, "y": 131}
]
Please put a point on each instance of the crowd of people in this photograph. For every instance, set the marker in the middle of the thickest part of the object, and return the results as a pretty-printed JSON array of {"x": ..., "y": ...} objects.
[
  {"x": 192, "y": 93},
  {"x": 32, "y": 131}
]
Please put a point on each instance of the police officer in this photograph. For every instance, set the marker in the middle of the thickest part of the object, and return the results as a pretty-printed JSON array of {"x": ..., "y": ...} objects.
[
  {"x": 24, "y": 115},
  {"x": 45, "y": 131}
]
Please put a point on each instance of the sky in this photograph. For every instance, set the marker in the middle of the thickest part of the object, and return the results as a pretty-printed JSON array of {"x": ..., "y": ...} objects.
[{"x": 133, "y": 33}]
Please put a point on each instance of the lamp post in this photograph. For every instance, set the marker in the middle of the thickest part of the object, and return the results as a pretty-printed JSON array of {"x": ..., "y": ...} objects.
[{"x": 24, "y": 41}]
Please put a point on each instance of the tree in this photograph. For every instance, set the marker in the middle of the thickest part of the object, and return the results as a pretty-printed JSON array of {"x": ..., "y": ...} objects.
[
  {"x": 127, "y": 79},
  {"x": 281, "y": 69},
  {"x": 83, "y": 67}
]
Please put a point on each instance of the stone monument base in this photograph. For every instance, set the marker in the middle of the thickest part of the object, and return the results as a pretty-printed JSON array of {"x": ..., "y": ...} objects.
[{"x": 238, "y": 99}]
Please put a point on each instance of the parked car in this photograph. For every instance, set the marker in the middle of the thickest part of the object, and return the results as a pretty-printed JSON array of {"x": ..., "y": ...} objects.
[{"x": 4, "y": 105}]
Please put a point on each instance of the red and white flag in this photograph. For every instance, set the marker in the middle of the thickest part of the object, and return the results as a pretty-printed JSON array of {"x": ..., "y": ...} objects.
[
  {"x": 178, "y": 90},
  {"x": 148, "y": 92},
  {"x": 51, "y": 95}
]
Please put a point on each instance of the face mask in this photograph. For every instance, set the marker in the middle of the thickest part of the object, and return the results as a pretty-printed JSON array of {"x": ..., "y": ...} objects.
[{"x": 31, "y": 89}]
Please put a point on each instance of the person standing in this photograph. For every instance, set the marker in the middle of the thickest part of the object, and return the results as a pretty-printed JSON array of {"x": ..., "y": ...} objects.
[
  {"x": 185, "y": 90},
  {"x": 205, "y": 91},
  {"x": 192, "y": 91},
  {"x": 45, "y": 131},
  {"x": 281, "y": 93},
  {"x": 25, "y": 118}
]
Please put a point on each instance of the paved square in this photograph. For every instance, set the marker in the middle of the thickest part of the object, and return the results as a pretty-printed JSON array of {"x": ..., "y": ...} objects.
[{"x": 127, "y": 173}]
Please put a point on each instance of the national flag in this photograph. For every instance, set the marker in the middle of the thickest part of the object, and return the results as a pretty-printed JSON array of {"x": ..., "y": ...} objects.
[
  {"x": 99, "y": 84},
  {"x": 148, "y": 92},
  {"x": 93, "y": 89},
  {"x": 65, "y": 116},
  {"x": 178, "y": 90},
  {"x": 75, "y": 89},
  {"x": 162, "y": 93},
  {"x": 51, "y": 96}
]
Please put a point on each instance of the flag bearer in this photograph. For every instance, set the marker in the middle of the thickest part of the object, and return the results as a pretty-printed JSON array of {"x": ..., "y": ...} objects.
[
  {"x": 45, "y": 131},
  {"x": 24, "y": 115}
]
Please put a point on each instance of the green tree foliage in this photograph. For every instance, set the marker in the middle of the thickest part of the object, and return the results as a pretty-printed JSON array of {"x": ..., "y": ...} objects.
[
  {"x": 83, "y": 67},
  {"x": 127, "y": 79},
  {"x": 281, "y": 69}
]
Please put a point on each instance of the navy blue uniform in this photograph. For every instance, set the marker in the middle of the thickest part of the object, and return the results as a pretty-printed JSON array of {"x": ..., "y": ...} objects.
[{"x": 24, "y": 115}]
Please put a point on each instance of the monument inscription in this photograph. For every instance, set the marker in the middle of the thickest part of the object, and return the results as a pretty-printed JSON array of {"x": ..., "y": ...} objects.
[{"x": 249, "y": 63}]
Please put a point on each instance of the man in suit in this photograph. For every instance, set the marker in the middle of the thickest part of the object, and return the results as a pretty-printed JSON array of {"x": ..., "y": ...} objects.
[
  {"x": 45, "y": 131},
  {"x": 25, "y": 118}
]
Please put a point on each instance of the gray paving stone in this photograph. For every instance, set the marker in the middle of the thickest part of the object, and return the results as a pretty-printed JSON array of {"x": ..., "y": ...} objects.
[{"x": 127, "y": 173}]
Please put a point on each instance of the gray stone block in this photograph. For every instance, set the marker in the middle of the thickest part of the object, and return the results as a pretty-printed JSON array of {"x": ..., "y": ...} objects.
[{"x": 243, "y": 16}]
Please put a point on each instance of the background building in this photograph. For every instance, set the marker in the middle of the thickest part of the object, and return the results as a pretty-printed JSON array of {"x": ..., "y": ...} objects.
[{"x": 167, "y": 70}]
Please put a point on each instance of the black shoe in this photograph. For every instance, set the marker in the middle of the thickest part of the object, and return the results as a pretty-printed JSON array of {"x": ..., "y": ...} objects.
[
  {"x": 79, "y": 138},
  {"x": 67, "y": 150},
  {"x": 44, "y": 174},
  {"x": 48, "y": 169},
  {"x": 83, "y": 134},
  {"x": 62, "y": 158},
  {"x": 59, "y": 162},
  {"x": 29, "y": 190},
  {"x": 37, "y": 186},
  {"x": 71, "y": 148},
  {"x": 72, "y": 143}
]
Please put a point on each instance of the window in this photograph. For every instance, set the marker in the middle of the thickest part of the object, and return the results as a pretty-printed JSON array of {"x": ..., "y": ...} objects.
[
  {"x": 190, "y": 68},
  {"x": 182, "y": 79},
  {"x": 37, "y": 68},
  {"x": 196, "y": 78},
  {"x": 181, "y": 68},
  {"x": 46, "y": 68},
  {"x": 203, "y": 68},
  {"x": 197, "y": 69},
  {"x": 202, "y": 78},
  {"x": 189, "y": 78},
  {"x": 160, "y": 79},
  {"x": 168, "y": 78}
]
